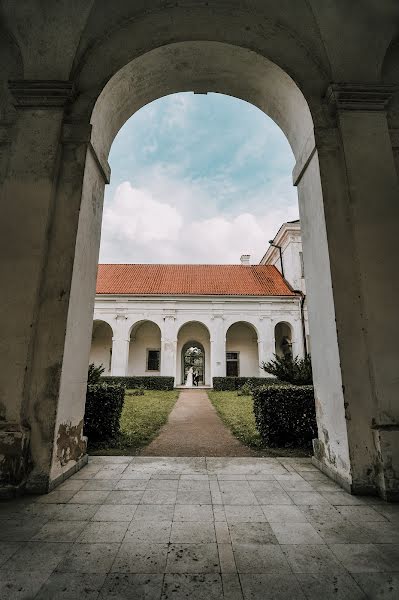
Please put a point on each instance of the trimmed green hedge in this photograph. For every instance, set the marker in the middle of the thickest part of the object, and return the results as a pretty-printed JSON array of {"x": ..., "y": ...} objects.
[
  {"x": 228, "y": 384},
  {"x": 285, "y": 415},
  {"x": 103, "y": 411},
  {"x": 147, "y": 382}
]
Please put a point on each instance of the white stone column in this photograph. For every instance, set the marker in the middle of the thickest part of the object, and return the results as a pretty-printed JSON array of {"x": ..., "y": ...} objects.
[
  {"x": 297, "y": 338},
  {"x": 168, "y": 347},
  {"x": 262, "y": 355},
  {"x": 49, "y": 239},
  {"x": 267, "y": 338},
  {"x": 218, "y": 347},
  {"x": 120, "y": 347},
  {"x": 349, "y": 210}
]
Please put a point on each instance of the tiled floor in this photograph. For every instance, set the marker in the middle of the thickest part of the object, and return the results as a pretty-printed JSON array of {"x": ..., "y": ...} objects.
[{"x": 200, "y": 528}]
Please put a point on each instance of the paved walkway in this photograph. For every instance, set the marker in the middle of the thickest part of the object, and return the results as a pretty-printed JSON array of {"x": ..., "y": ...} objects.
[
  {"x": 195, "y": 429},
  {"x": 149, "y": 528}
]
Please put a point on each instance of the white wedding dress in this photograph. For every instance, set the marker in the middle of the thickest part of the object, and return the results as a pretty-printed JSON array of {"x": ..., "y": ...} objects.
[{"x": 189, "y": 380}]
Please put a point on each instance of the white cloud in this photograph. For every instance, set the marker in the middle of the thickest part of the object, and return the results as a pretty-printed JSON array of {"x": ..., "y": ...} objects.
[{"x": 167, "y": 225}]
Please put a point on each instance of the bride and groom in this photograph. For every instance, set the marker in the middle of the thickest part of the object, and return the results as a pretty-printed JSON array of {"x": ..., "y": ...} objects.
[{"x": 192, "y": 378}]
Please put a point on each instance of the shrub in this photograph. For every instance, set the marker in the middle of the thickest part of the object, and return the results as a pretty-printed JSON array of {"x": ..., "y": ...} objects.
[
  {"x": 285, "y": 415},
  {"x": 225, "y": 384},
  {"x": 104, "y": 405},
  {"x": 94, "y": 374},
  {"x": 297, "y": 371},
  {"x": 145, "y": 382},
  {"x": 246, "y": 390}
]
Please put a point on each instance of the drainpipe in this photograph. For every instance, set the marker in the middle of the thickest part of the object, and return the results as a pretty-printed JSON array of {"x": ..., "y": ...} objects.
[
  {"x": 281, "y": 256},
  {"x": 303, "y": 298}
]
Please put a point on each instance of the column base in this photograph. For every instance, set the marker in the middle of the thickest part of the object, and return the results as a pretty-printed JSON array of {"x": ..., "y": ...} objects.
[
  {"x": 17, "y": 473},
  {"x": 386, "y": 439},
  {"x": 15, "y": 460},
  {"x": 386, "y": 471}
]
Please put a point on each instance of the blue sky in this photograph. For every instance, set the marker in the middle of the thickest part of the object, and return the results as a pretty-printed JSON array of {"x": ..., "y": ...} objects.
[{"x": 199, "y": 179}]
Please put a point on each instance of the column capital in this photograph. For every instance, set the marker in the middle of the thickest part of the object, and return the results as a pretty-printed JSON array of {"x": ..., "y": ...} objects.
[
  {"x": 79, "y": 132},
  {"x": 41, "y": 93},
  {"x": 359, "y": 96}
]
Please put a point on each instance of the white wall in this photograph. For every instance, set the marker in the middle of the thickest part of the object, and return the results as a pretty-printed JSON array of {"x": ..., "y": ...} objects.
[
  {"x": 196, "y": 332},
  {"x": 242, "y": 338},
  {"x": 146, "y": 336},
  {"x": 101, "y": 345}
]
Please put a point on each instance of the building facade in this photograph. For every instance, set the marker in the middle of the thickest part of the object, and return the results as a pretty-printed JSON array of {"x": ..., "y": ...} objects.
[{"x": 219, "y": 319}]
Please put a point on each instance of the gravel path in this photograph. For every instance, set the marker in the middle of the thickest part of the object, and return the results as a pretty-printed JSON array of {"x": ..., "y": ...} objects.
[{"x": 195, "y": 429}]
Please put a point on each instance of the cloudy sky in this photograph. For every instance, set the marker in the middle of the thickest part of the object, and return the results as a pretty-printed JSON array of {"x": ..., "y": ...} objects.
[{"x": 196, "y": 179}]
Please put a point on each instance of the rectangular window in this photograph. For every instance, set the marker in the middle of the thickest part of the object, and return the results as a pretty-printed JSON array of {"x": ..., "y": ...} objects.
[
  {"x": 302, "y": 267},
  {"x": 153, "y": 360},
  {"x": 232, "y": 364}
]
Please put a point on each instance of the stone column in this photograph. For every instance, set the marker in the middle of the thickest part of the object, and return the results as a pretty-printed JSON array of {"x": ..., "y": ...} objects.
[
  {"x": 349, "y": 207},
  {"x": 267, "y": 338},
  {"x": 49, "y": 240},
  {"x": 120, "y": 347},
  {"x": 262, "y": 354},
  {"x": 169, "y": 347},
  {"x": 297, "y": 341},
  {"x": 218, "y": 347}
]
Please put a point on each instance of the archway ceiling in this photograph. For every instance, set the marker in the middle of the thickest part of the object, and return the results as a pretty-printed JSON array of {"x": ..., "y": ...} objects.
[
  {"x": 201, "y": 67},
  {"x": 98, "y": 35}
]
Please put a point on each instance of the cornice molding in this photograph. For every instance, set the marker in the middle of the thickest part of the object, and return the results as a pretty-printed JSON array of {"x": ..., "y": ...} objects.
[
  {"x": 359, "y": 96},
  {"x": 40, "y": 94}
]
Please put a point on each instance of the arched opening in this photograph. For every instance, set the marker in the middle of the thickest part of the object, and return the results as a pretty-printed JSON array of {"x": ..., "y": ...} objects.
[
  {"x": 193, "y": 357},
  {"x": 101, "y": 346},
  {"x": 144, "y": 349},
  {"x": 143, "y": 53},
  {"x": 242, "y": 357},
  {"x": 283, "y": 339},
  {"x": 193, "y": 349}
]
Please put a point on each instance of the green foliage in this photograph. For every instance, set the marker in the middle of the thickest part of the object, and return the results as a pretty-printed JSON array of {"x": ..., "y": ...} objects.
[
  {"x": 237, "y": 414},
  {"x": 138, "y": 392},
  {"x": 103, "y": 411},
  {"x": 224, "y": 384},
  {"x": 94, "y": 374},
  {"x": 142, "y": 417},
  {"x": 246, "y": 389},
  {"x": 156, "y": 382},
  {"x": 285, "y": 415},
  {"x": 295, "y": 370}
]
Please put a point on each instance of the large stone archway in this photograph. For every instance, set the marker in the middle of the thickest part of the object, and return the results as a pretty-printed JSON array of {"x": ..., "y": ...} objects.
[{"x": 72, "y": 86}]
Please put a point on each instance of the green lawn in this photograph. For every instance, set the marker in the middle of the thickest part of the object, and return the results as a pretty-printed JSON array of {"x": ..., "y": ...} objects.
[
  {"x": 142, "y": 417},
  {"x": 237, "y": 414}
]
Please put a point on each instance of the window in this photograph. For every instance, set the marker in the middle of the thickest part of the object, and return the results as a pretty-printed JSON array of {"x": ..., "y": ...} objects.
[
  {"x": 153, "y": 360},
  {"x": 302, "y": 267},
  {"x": 232, "y": 364}
]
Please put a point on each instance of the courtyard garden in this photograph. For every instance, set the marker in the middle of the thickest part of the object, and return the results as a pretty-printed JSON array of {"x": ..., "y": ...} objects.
[{"x": 120, "y": 420}]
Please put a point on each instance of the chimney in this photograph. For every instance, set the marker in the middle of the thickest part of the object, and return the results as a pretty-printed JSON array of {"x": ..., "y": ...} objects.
[{"x": 245, "y": 258}]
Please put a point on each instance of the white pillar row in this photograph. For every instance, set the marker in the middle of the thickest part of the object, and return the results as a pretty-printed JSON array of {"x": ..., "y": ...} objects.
[
  {"x": 120, "y": 347},
  {"x": 218, "y": 347},
  {"x": 169, "y": 347}
]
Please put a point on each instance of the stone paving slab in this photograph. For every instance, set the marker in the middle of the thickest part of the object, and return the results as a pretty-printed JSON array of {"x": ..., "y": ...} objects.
[{"x": 157, "y": 528}]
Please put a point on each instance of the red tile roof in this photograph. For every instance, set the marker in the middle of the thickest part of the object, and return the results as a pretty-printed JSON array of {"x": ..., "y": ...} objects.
[{"x": 191, "y": 280}]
